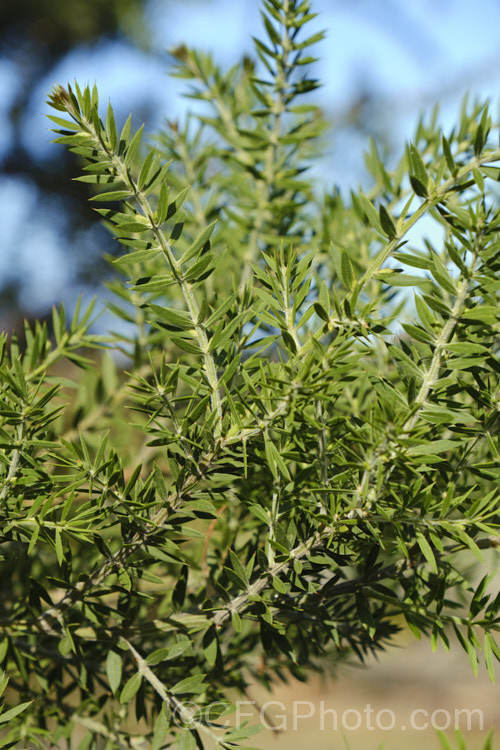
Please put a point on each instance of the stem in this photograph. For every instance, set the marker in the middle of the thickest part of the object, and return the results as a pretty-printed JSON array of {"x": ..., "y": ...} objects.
[
  {"x": 273, "y": 521},
  {"x": 187, "y": 291},
  {"x": 432, "y": 375},
  {"x": 428, "y": 382},
  {"x": 47, "y": 619},
  {"x": 243, "y": 600},
  {"x": 431, "y": 201},
  {"x": 166, "y": 248},
  {"x": 14, "y": 463},
  {"x": 187, "y": 716}
]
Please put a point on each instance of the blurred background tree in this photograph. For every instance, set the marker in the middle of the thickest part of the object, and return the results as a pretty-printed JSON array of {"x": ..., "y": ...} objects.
[{"x": 35, "y": 36}]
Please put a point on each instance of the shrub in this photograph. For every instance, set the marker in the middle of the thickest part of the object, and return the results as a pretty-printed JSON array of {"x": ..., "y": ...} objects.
[{"x": 271, "y": 463}]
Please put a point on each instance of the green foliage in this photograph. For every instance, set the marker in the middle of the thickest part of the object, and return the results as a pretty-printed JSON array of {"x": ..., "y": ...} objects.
[
  {"x": 280, "y": 475},
  {"x": 445, "y": 744}
]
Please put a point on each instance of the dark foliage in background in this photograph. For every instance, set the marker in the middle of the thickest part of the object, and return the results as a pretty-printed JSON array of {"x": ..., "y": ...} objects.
[{"x": 35, "y": 35}]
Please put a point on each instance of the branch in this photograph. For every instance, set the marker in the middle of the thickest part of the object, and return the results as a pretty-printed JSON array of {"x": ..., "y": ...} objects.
[
  {"x": 437, "y": 195},
  {"x": 14, "y": 462},
  {"x": 118, "y": 163},
  {"x": 243, "y": 600},
  {"x": 49, "y": 617},
  {"x": 187, "y": 716},
  {"x": 429, "y": 380}
]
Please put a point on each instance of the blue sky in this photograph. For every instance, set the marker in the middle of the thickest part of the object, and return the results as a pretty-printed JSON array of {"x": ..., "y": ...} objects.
[{"x": 408, "y": 54}]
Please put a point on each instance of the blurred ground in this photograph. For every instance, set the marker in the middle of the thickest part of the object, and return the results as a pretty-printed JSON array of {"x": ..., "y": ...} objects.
[{"x": 407, "y": 678}]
